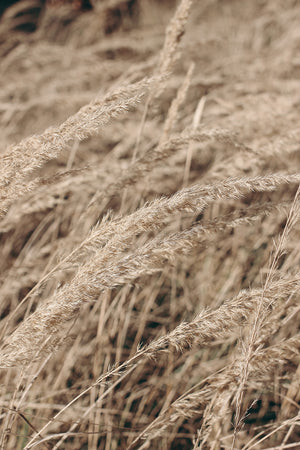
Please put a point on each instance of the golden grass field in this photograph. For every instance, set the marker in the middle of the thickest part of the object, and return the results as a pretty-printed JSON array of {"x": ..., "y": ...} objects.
[{"x": 149, "y": 225}]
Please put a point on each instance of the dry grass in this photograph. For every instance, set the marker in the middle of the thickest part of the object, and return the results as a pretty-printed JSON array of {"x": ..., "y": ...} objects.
[{"x": 149, "y": 228}]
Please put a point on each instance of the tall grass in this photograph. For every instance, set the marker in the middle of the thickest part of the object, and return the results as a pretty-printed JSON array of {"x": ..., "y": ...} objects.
[{"x": 149, "y": 226}]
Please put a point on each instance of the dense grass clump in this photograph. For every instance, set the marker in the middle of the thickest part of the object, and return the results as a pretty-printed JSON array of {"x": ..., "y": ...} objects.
[{"x": 149, "y": 225}]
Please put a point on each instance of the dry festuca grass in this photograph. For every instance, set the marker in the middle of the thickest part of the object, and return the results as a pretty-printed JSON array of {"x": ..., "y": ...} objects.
[{"x": 149, "y": 225}]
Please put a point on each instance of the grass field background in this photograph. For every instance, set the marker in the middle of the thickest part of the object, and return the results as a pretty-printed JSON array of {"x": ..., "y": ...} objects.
[{"x": 149, "y": 225}]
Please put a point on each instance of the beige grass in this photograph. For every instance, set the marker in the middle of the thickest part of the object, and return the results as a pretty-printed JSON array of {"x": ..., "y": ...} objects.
[{"x": 149, "y": 231}]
